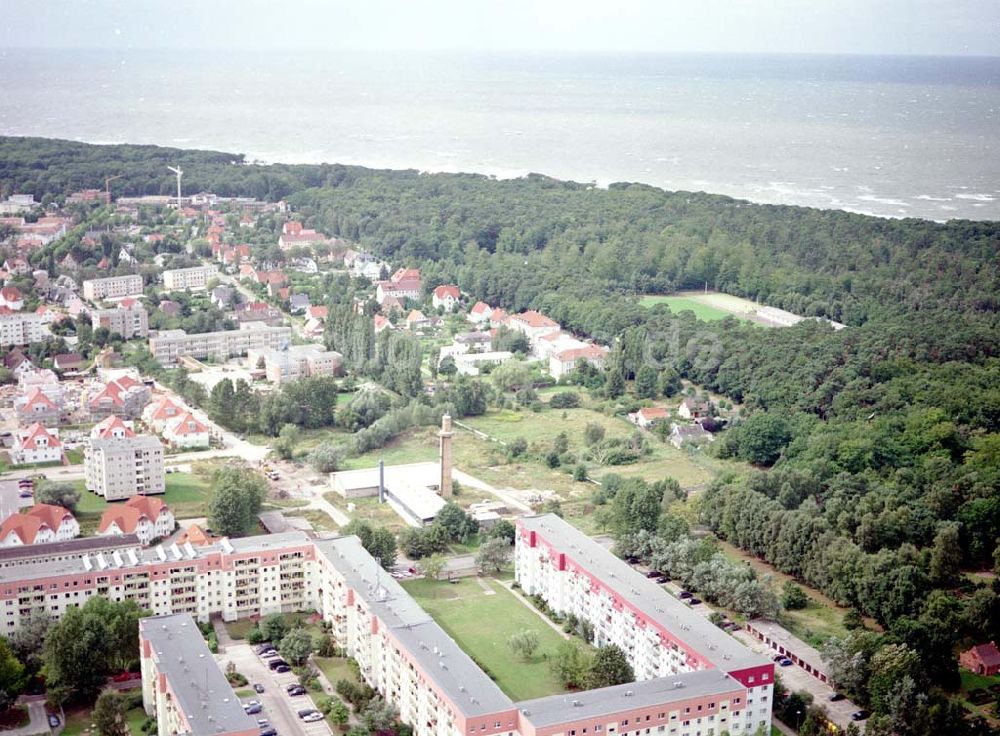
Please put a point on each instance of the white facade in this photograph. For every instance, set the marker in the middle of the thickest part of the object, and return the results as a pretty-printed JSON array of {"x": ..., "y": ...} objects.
[
  {"x": 112, "y": 287},
  {"x": 120, "y": 468},
  {"x": 20, "y": 328},
  {"x": 196, "y": 277}
]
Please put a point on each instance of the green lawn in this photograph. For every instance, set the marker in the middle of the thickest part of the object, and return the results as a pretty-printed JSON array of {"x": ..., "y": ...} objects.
[
  {"x": 678, "y": 304},
  {"x": 239, "y": 629},
  {"x": 319, "y": 519},
  {"x": 336, "y": 668},
  {"x": 79, "y": 721},
  {"x": 972, "y": 681},
  {"x": 481, "y": 624}
]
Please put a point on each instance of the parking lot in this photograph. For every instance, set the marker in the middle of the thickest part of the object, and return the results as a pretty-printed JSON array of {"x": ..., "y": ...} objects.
[{"x": 279, "y": 708}]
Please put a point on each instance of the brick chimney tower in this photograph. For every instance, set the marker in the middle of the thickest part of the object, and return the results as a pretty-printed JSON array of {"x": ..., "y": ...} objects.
[{"x": 445, "y": 456}]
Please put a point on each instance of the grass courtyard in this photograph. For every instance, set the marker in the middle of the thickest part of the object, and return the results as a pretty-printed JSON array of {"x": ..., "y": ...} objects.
[{"x": 462, "y": 609}]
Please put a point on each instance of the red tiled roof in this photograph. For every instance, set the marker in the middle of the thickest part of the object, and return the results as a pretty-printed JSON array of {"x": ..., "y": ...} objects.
[
  {"x": 10, "y": 294},
  {"x": 481, "y": 308},
  {"x": 35, "y": 397},
  {"x": 654, "y": 412},
  {"x": 128, "y": 302},
  {"x": 196, "y": 536},
  {"x": 406, "y": 274},
  {"x": 319, "y": 312},
  {"x": 535, "y": 319},
  {"x": 40, "y": 516},
  {"x": 128, "y": 516},
  {"x": 590, "y": 351},
  {"x": 987, "y": 653},
  {"x": 164, "y": 409},
  {"x": 107, "y": 427},
  {"x": 447, "y": 290},
  {"x": 187, "y": 424},
  {"x": 30, "y": 436}
]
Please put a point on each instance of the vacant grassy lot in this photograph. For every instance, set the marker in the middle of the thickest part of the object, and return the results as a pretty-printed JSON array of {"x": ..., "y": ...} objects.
[
  {"x": 336, "y": 668},
  {"x": 464, "y": 610},
  {"x": 319, "y": 519}
]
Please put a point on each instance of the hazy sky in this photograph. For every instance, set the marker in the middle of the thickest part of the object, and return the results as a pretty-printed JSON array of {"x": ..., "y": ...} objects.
[{"x": 822, "y": 26}]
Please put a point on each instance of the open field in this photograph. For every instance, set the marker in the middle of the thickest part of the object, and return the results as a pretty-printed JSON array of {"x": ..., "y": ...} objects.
[
  {"x": 708, "y": 306},
  {"x": 680, "y": 304},
  {"x": 461, "y": 609},
  {"x": 319, "y": 519}
]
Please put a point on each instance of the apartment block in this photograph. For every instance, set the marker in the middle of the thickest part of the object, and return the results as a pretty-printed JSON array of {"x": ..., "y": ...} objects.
[
  {"x": 122, "y": 467},
  {"x": 113, "y": 287},
  {"x": 170, "y": 345},
  {"x": 661, "y": 635},
  {"x": 130, "y": 319},
  {"x": 401, "y": 652},
  {"x": 196, "y": 277},
  {"x": 182, "y": 685},
  {"x": 19, "y": 328}
]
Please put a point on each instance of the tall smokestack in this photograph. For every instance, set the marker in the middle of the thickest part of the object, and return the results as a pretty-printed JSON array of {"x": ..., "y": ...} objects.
[
  {"x": 381, "y": 481},
  {"x": 445, "y": 456}
]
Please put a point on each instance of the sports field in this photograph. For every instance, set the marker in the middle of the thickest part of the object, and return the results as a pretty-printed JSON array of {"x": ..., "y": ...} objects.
[
  {"x": 712, "y": 305},
  {"x": 481, "y": 615}
]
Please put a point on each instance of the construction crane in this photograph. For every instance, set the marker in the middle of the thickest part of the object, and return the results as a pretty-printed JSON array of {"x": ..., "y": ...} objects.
[
  {"x": 177, "y": 170},
  {"x": 107, "y": 185}
]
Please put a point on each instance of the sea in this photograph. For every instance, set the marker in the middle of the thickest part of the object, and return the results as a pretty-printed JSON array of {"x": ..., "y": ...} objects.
[{"x": 892, "y": 136}]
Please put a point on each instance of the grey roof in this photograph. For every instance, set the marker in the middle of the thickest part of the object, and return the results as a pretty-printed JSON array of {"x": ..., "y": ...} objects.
[
  {"x": 201, "y": 690},
  {"x": 689, "y": 626},
  {"x": 605, "y": 701},
  {"x": 80, "y": 545},
  {"x": 139, "y": 442},
  {"x": 73, "y": 566},
  {"x": 451, "y": 669}
]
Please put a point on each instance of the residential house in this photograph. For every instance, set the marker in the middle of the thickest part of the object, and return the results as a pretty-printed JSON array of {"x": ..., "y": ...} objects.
[
  {"x": 18, "y": 363},
  {"x": 693, "y": 408},
  {"x": 36, "y": 407},
  {"x": 258, "y": 312},
  {"x": 124, "y": 397},
  {"x": 43, "y": 523},
  {"x": 146, "y": 517},
  {"x": 186, "y": 432},
  {"x": 446, "y": 297},
  {"x": 67, "y": 362},
  {"x": 293, "y": 235},
  {"x": 319, "y": 311},
  {"x": 197, "y": 536},
  {"x": 381, "y": 323},
  {"x": 480, "y": 313},
  {"x": 159, "y": 413},
  {"x": 11, "y": 297},
  {"x": 564, "y": 362},
  {"x": 292, "y": 362},
  {"x": 404, "y": 284},
  {"x": 416, "y": 320},
  {"x": 36, "y": 444},
  {"x": 533, "y": 325},
  {"x": 112, "y": 428},
  {"x": 982, "y": 659},
  {"x": 112, "y": 287},
  {"x": 694, "y": 432},
  {"x": 298, "y": 303},
  {"x": 649, "y": 416}
]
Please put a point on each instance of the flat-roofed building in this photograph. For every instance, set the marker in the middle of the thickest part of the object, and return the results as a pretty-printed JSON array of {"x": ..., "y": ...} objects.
[
  {"x": 113, "y": 287},
  {"x": 292, "y": 362},
  {"x": 196, "y": 277},
  {"x": 129, "y": 319},
  {"x": 411, "y": 489},
  {"x": 19, "y": 328},
  {"x": 182, "y": 685},
  {"x": 122, "y": 467},
  {"x": 170, "y": 345}
]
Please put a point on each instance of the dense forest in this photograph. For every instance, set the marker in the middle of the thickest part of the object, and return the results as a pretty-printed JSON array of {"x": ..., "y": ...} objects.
[{"x": 876, "y": 447}]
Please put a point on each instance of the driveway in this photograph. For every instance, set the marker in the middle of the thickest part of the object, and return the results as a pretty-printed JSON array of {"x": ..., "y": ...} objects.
[
  {"x": 39, "y": 719},
  {"x": 280, "y": 709}
]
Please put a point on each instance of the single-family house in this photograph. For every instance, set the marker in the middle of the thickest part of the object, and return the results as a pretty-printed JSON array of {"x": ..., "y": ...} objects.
[
  {"x": 36, "y": 444},
  {"x": 982, "y": 659},
  {"x": 446, "y": 296},
  {"x": 694, "y": 432},
  {"x": 649, "y": 416},
  {"x": 694, "y": 408},
  {"x": 186, "y": 432},
  {"x": 417, "y": 320},
  {"x": 43, "y": 523},
  {"x": 146, "y": 517},
  {"x": 480, "y": 313}
]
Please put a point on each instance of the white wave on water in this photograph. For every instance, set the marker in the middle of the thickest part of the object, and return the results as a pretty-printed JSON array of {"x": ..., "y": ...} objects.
[
  {"x": 929, "y": 198},
  {"x": 976, "y": 197},
  {"x": 883, "y": 200}
]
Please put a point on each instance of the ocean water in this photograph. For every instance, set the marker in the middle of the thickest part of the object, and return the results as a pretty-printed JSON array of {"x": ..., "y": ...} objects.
[{"x": 891, "y": 136}]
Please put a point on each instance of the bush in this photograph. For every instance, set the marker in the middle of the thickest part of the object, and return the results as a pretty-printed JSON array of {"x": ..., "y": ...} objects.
[{"x": 565, "y": 400}]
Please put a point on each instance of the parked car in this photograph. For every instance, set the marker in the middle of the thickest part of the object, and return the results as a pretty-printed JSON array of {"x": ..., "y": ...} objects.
[
  {"x": 263, "y": 722},
  {"x": 275, "y": 663},
  {"x": 306, "y": 711},
  {"x": 860, "y": 715},
  {"x": 26, "y": 494},
  {"x": 265, "y": 647},
  {"x": 693, "y": 601},
  {"x": 662, "y": 579},
  {"x": 836, "y": 696},
  {"x": 786, "y": 662},
  {"x": 253, "y": 709},
  {"x": 53, "y": 720},
  {"x": 296, "y": 691},
  {"x": 282, "y": 668},
  {"x": 313, "y": 717},
  {"x": 686, "y": 594},
  {"x": 269, "y": 654},
  {"x": 653, "y": 574},
  {"x": 291, "y": 686},
  {"x": 258, "y": 688},
  {"x": 269, "y": 731},
  {"x": 778, "y": 657}
]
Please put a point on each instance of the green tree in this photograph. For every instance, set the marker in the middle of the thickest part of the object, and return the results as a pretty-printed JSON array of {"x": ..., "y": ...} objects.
[
  {"x": 762, "y": 437},
  {"x": 339, "y": 714},
  {"x": 493, "y": 555},
  {"x": 296, "y": 646},
  {"x": 646, "y": 384},
  {"x": 379, "y": 542},
  {"x": 60, "y": 494},
  {"x": 946, "y": 555},
  {"x": 593, "y": 433},
  {"x": 273, "y": 628},
  {"x": 614, "y": 383},
  {"x": 379, "y": 715},
  {"x": 636, "y": 506},
  {"x": 510, "y": 376},
  {"x": 235, "y": 500},
  {"x": 12, "y": 677},
  {"x": 610, "y": 667},
  {"x": 28, "y": 642},
  {"x": 524, "y": 643},
  {"x": 457, "y": 524},
  {"x": 109, "y": 714},
  {"x": 288, "y": 440},
  {"x": 326, "y": 457},
  {"x": 793, "y": 597},
  {"x": 571, "y": 664},
  {"x": 433, "y": 565},
  {"x": 503, "y": 529}
]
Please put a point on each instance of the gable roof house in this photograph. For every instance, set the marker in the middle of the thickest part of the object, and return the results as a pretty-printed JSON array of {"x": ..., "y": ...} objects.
[
  {"x": 36, "y": 444},
  {"x": 112, "y": 428},
  {"x": 42, "y": 524},
  {"x": 404, "y": 284},
  {"x": 186, "y": 431},
  {"x": 692, "y": 408},
  {"x": 37, "y": 406},
  {"x": 983, "y": 659},
  {"x": 446, "y": 296},
  {"x": 649, "y": 416},
  {"x": 293, "y": 234},
  {"x": 157, "y": 414},
  {"x": 146, "y": 517},
  {"x": 11, "y": 297},
  {"x": 693, "y": 432},
  {"x": 124, "y": 397}
]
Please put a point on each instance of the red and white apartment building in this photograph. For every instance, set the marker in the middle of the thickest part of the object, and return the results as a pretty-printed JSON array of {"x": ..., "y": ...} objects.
[{"x": 692, "y": 681}]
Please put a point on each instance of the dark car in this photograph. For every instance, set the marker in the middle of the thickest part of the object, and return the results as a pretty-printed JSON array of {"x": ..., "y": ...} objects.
[
  {"x": 693, "y": 601},
  {"x": 275, "y": 664},
  {"x": 53, "y": 720},
  {"x": 631, "y": 560},
  {"x": 653, "y": 574},
  {"x": 261, "y": 648},
  {"x": 786, "y": 662},
  {"x": 282, "y": 668},
  {"x": 25, "y": 493},
  {"x": 686, "y": 594},
  {"x": 269, "y": 731},
  {"x": 663, "y": 579},
  {"x": 292, "y": 686},
  {"x": 258, "y": 688},
  {"x": 252, "y": 709},
  {"x": 778, "y": 657},
  {"x": 306, "y": 711},
  {"x": 294, "y": 692},
  {"x": 859, "y": 715},
  {"x": 836, "y": 696}
]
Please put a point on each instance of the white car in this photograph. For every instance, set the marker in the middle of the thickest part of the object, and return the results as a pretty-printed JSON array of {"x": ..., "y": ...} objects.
[{"x": 313, "y": 717}]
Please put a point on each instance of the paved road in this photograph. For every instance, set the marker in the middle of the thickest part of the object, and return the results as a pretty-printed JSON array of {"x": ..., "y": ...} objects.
[{"x": 39, "y": 719}]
